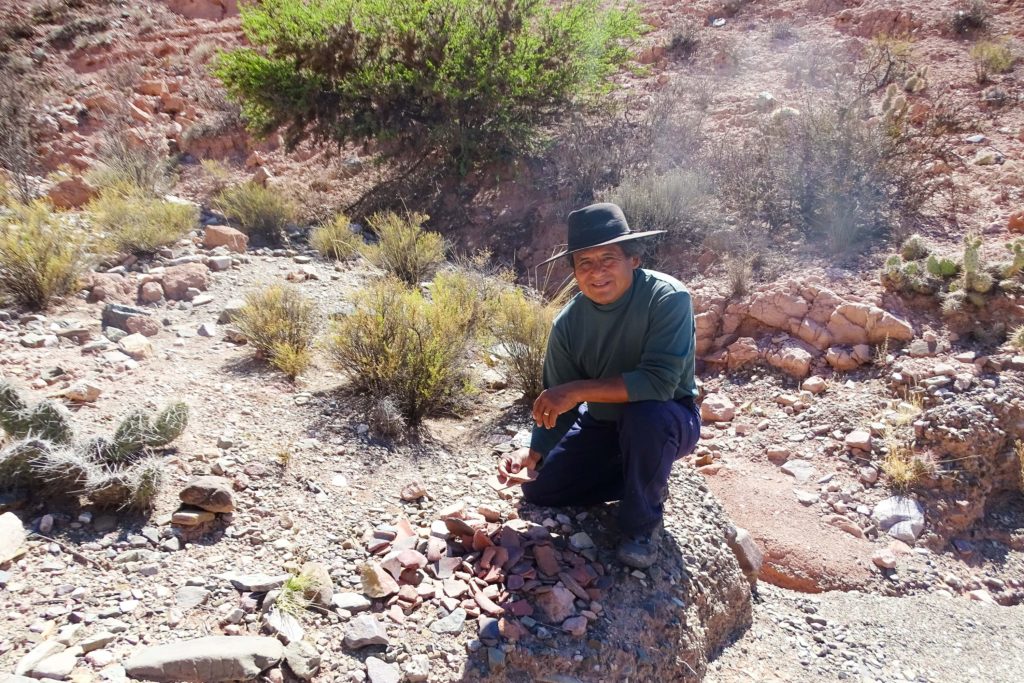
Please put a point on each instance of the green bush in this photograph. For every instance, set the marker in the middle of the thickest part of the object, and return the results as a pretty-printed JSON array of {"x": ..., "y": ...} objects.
[
  {"x": 470, "y": 78},
  {"x": 521, "y": 325},
  {"x": 336, "y": 240},
  {"x": 991, "y": 58},
  {"x": 280, "y": 323},
  {"x": 404, "y": 248},
  {"x": 258, "y": 211},
  {"x": 132, "y": 222},
  {"x": 41, "y": 257},
  {"x": 400, "y": 345}
]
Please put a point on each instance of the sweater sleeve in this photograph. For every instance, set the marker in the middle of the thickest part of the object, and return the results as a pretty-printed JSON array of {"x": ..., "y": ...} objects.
[
  {"x": 559, "y": 368},
  {"x": 668, "y": 347}
]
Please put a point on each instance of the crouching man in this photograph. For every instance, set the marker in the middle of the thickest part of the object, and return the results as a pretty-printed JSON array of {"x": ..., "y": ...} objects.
[{"x": 618, "y": 406}]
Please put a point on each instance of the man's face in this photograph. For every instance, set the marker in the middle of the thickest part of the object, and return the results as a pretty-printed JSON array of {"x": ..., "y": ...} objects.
[{"x": 604, "y": 273}]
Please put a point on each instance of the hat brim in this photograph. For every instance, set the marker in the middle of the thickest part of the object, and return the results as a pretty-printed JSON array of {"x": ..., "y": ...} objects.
[{"x": 621, "y": 238}]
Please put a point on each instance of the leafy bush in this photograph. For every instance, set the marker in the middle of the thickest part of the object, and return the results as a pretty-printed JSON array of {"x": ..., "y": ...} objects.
[
  {"x": 335, "y": 239},
  {"x": 40, "y": 256},
  {"x": 404, "y": 248},
  {"x": 135, "y": 223},
  {"x": 258, "y": 211},
  {"x": 281, "y": 324},
  {"x": 400, "y": 345},
  {"x": 991, "y": 58},
  {"x": 470, "y": 78},
  {"x": 521, "y": 325}
]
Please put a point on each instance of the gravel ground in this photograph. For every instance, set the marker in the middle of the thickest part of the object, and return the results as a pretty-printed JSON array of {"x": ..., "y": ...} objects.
[{"x": 851, "y": 636}]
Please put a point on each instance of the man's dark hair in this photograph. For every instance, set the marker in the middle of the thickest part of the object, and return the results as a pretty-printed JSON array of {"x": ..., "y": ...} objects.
[{"x": 630, "y": 248}]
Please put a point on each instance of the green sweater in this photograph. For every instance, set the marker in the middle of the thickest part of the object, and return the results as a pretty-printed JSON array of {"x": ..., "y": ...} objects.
[{"x": 647, "y": 336}]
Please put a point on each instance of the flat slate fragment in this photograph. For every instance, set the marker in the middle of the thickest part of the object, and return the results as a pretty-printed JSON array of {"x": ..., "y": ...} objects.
[{"x": 206, "y": 660}]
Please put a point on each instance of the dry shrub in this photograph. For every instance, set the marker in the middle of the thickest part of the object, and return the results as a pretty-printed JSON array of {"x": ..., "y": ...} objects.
[
  {"x": 126, "y": 162},
  {"x": 679, "y": 201},
  {"x": 521, "y": 324},
  {"x": 970, "y": 16},
  {"x": 280, "y": 323},
  {"x": 904, "y": 468},
  {"x": 131, "y": 222},
  {"x": 260, "y": 212},
  {"x": 1018, "y": 449},
  {"x": 40, "y": 256},
  {"x": 386, "y": 419},
  {"x": 1016, "y": 338},
  {"x": 335, "y": 239},
  {"x": 18, "y": 153},
  {"x": 400, "y": 345},
  {"x": 404, "y": 248},
  {"x": 739, "y": 271},
  {"x": 991, "y": 57}
]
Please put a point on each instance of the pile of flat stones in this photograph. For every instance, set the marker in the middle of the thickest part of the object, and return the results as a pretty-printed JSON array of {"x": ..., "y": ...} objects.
[{"x": 517, "y": 576}]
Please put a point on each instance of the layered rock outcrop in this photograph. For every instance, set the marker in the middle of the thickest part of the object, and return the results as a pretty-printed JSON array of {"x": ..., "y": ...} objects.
[{"x": 792, "y": 326}]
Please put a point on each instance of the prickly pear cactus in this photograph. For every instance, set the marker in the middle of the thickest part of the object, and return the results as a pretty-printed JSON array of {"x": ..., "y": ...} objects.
[
  {"x": 130, "y": 437},
  {"x": 169, "y": 424},
  {"x": 1016, "y": 248},
  {"x": 942, "y": 267},
  {"x": 118, "y": 471}
]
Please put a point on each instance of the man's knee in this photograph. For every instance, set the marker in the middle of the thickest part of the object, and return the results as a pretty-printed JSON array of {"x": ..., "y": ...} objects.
[
  {"x": 659, "y": 421},
  {"x": 652, "y": 417},
  {"x": 537, "y": 493}
]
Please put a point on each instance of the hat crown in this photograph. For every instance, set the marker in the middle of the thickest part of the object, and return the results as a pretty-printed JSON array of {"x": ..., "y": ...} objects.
[{"x": 596, "y": 224}]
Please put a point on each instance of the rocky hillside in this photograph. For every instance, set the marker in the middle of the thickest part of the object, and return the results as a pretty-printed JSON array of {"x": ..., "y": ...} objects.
[{"x": 862, "y": 438}]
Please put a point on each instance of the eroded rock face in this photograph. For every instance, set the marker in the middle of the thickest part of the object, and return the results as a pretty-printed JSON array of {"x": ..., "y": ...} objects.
[
  {"x": 973, "y": 438},
  {"x": 814, "y": 322},
  {"x": 211, "y": 10}
]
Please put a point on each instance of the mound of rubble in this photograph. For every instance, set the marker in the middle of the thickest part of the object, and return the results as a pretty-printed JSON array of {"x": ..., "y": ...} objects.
[{"x": 550, "y": 590}]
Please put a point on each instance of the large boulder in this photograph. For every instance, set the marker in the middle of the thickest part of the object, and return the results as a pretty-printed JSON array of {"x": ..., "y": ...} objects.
[
  {"x": 109, "y": 287},
  {"x": 206, "y": 660},
  {"x": 682, "y": 612},
  {"x": 792, "y": 357},
  {"x": 177, "y": 280},
  {"x": 211, "y": 10},
  {"x": 225, "y": 236},
  {"x": 71, "y": 193}
]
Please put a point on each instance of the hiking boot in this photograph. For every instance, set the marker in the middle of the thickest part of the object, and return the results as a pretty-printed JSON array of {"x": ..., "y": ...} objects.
[{"x": 640, "y": 551}]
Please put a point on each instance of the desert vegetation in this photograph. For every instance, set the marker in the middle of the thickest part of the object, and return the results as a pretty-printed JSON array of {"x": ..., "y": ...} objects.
[{"x": 470, "y": 79}]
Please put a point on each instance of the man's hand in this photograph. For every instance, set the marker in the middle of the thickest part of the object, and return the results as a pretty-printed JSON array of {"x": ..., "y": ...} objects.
[
  {"x": 553, "y": 402},
  {"x": 517, "y": 466}
]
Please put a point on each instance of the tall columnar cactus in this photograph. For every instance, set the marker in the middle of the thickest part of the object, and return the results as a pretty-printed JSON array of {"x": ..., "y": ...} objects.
[
  {"x": 119, "y": 471},
  {"x": 894, "y": 105}
]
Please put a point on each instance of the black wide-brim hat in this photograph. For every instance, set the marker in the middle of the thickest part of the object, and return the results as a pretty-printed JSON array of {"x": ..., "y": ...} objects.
[{"x": 597, "y": 225}]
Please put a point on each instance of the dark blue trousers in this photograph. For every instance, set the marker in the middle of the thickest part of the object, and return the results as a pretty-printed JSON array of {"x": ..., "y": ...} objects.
[{"x": 628, "y": 460}]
